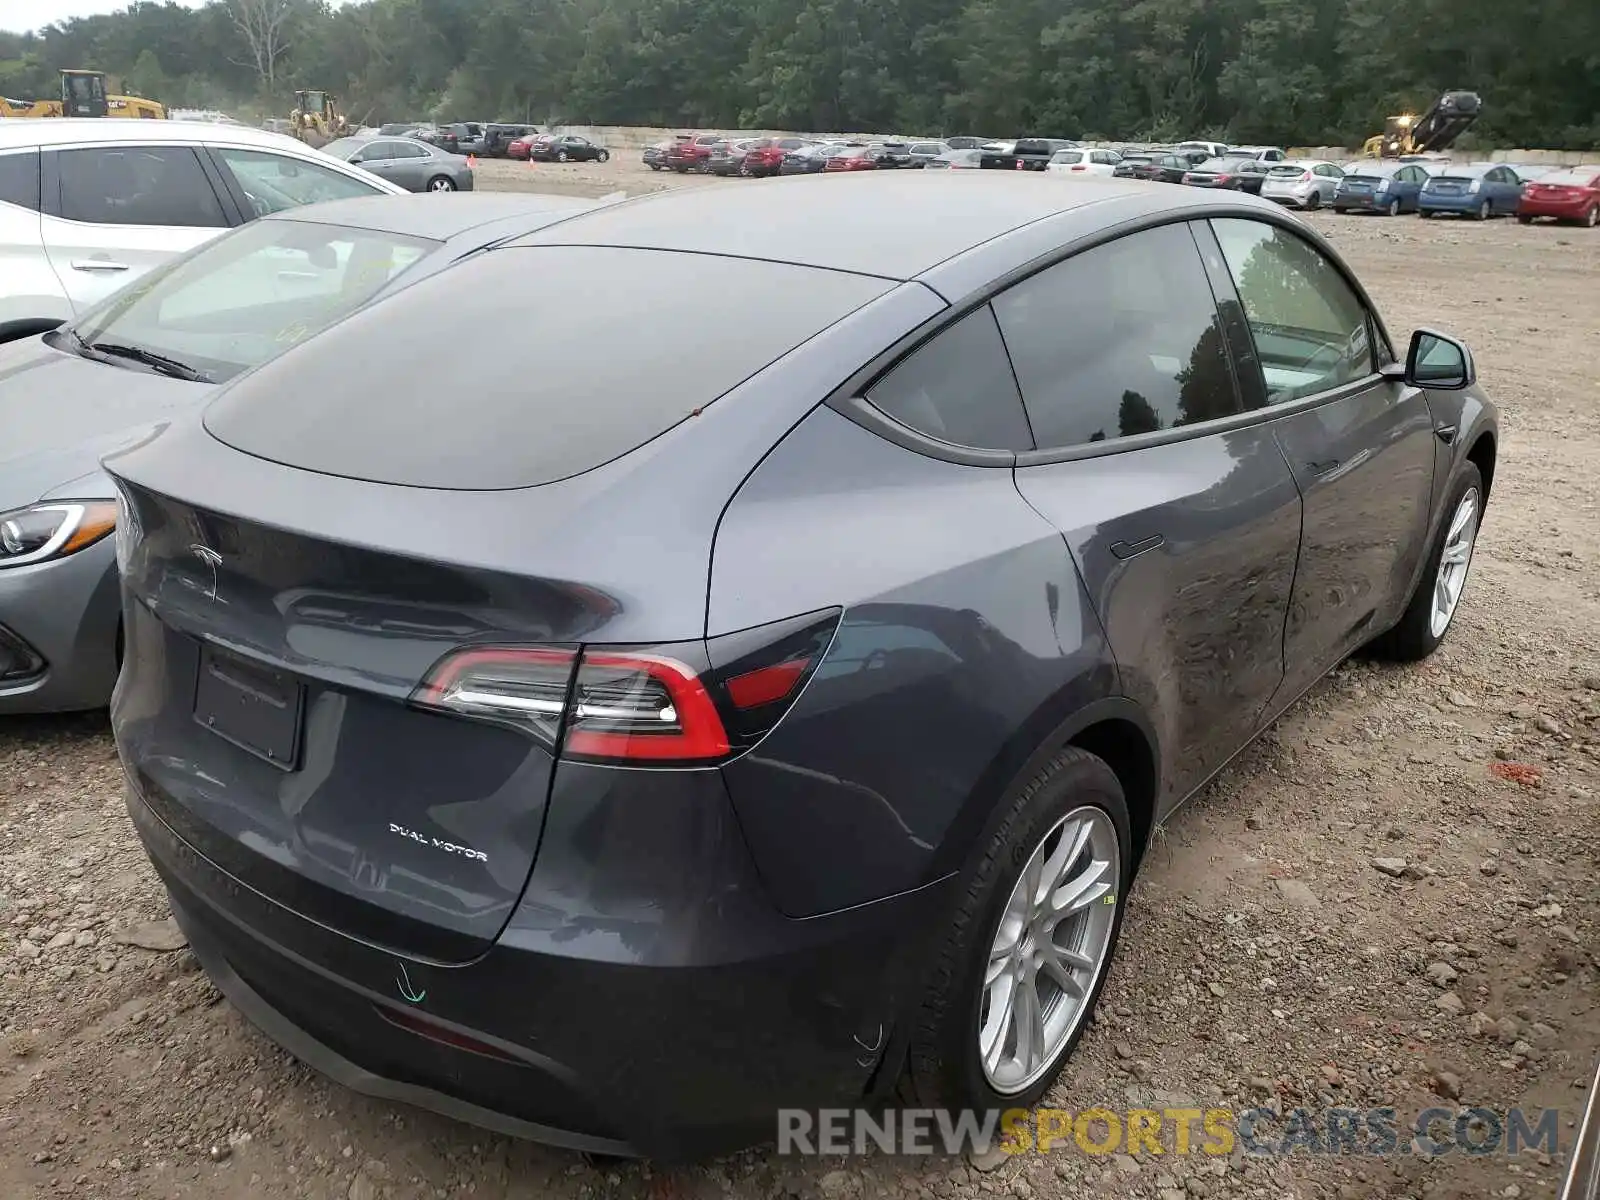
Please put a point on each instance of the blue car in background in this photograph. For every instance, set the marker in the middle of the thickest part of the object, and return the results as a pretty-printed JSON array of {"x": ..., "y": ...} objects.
[
  {"x": 1481, "y": 190},
  {"x": 1386, "y": 187}
]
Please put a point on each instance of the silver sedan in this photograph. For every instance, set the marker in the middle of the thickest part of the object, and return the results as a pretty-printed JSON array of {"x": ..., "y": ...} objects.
[
  {"x": 1303, "y": 183},
  {"x": 412, "y": 164}
]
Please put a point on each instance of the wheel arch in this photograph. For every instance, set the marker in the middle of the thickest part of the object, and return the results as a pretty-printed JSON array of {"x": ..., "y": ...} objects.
[
  {"x": 1482, "y": 455},
  {"x": 1114, "y": 728}
]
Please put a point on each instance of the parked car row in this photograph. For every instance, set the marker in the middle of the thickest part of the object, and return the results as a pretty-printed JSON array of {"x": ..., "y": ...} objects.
[{"x": 754, "y": 157}]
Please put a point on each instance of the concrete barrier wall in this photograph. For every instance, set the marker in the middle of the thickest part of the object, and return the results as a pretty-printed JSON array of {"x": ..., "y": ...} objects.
[{"x": 637, "y": 137}]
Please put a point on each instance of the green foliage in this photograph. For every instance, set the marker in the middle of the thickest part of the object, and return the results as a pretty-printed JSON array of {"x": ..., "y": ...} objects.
[{"x": 1276, "y": 71}]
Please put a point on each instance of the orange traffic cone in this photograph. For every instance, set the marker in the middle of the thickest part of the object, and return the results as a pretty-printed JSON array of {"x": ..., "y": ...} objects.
[{"x": 472, "y": 160}]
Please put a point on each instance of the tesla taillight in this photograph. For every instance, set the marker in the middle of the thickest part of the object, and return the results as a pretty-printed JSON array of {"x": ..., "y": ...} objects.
[{"x": 681, "y": 704}]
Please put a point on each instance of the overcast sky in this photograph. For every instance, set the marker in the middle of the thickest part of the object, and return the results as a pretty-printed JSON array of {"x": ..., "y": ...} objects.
[{"x": 18, "y": 15}]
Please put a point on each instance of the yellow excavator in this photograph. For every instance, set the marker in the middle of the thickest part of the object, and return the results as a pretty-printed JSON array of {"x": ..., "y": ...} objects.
[
  {"x": 83, "y": 94},
  {"x": 1436, "y": 130},
  {"x": 316, "y": 119}
]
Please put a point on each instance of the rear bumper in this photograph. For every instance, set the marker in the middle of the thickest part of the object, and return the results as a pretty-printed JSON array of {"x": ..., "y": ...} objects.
[
  {"x": 618, "y": 1012},
  {"x": 1566, "y": 210},
  {"x": 1287, "y": 195},
  {"x": 68, "y": 612},
  {"x": 1361, "y": 201},
  {"x": 1467, "y": 202}
]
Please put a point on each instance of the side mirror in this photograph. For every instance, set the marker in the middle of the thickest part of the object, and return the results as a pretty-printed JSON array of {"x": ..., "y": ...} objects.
[{"x": 1438, "y": 362}]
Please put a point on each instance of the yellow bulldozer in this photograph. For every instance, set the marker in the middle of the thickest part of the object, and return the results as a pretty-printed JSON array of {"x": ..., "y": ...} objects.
[
  {"x": 83, "y": 94},
  {"x": 316, "y": 119}
]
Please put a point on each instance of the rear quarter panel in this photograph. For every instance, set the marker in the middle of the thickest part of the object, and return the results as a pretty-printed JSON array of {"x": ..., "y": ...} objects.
[{"x": 965, "y": 622}]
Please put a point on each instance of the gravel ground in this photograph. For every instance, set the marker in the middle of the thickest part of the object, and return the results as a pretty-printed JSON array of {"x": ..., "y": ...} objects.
[{"x": 1266, "y": 960}]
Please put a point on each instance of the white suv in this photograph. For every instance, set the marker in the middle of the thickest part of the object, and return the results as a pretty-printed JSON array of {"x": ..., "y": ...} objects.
[{"x": 86, "y": 205}]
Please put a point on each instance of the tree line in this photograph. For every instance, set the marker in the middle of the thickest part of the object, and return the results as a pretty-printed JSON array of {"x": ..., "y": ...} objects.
[{"x": 1290, "y": 72}]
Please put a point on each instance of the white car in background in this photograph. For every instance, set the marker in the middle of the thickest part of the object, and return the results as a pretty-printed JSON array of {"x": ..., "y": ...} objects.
[
  {"x": 1083, "y": 162},
  {"x": 1303, "y": 183},
  {"x": 88, "y": 205}
]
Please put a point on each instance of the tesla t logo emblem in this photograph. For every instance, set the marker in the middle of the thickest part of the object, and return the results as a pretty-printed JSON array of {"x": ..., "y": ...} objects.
[
  {"x": 213, "y": 560},
  {"x": 407, "y": 991}
]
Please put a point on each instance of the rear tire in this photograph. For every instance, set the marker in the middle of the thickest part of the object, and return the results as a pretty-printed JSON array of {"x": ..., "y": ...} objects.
[
  {"x": 441, "y": 183},
  {"x": 1393, "y": 209},
  {"x": 1524, "y": 220},
  {"x": 1484, "y": 211},
  {"x": 1074, "y": 795},
  {"x": 1418, "y": 634},
  {"x": 1313, "y": 201},
  {"x": 1592, "y": 217},
  {"x": 561, "y": 156},
  {"x": 603, "y": 156}
]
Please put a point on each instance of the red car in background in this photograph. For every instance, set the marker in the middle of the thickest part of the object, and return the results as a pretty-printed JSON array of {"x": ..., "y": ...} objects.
[
  {"x": 765, "y": 155},
  {"x": 523, "y": 146},
  {"x": 692, "y": 153},
  {"x": 1572, "y": 195},
  {"x": 857, "y": 158}
]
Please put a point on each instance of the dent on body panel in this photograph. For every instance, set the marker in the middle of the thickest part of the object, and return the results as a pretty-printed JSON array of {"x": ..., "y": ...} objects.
[
  {"x": 963, "y": 616},
  {"x": 1197, "y": 622}
]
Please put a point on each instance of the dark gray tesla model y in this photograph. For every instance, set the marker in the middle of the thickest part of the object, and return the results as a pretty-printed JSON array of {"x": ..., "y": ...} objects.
[{"x": 766, "y": 698}]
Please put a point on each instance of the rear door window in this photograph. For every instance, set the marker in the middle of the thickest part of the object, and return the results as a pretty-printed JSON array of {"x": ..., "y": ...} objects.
[
  {"x": 1310, "y": 328},
  {"x": 959, "y": 389},
  {"x": 137, "y": 185},
  {"x": 1120, "y": 340},
  {"x": 274, "y": 182},
  {"x": 19, "y": 179}
]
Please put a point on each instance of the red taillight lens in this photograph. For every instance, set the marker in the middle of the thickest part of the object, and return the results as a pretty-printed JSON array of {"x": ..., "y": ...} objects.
[
  {"x": 524, "y": 687},
  {"x": 681, "y": 704},
  {"x": 604, "y": 705},
  {"x": 633, "y": 706},
  {"x": 766, "y": 685},
  {"x": 1224, "y": 178},
  {"x": 1080, "y": 167}
]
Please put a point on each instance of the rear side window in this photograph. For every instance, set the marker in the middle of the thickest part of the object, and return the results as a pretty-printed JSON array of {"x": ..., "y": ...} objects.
[
  {"x": 959, "y": 388},
  {"x": 1117, "y": 341},
  {"x": 648, "y": 340},
  {"x": 137, "y": 185},
  {"x": 274, "y": 182},
  {"x": 19, "y": 179},
  {"x": 1309, "y": 326}
]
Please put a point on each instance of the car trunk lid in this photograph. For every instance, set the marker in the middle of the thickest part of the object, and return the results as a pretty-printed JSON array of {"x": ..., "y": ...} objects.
[{"x": 264, "y": 712}]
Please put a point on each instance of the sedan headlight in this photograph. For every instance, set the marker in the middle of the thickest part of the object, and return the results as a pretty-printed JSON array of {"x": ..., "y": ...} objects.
[{"x": 53, "y": 530}]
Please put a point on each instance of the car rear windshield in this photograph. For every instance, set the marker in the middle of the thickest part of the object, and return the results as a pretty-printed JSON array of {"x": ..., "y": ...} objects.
[
  {"x": 1067, "y": 156},
  {"x": 247, "y": 297},
  {"x": 1288, "y": 172},
  {"x": 624, "y": 344}
]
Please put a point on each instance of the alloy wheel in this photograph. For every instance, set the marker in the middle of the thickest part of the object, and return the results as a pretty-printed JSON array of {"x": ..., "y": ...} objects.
[
  {"x": 1592, "y": 217},
  {"x": 441, "y": 184},
  {"x": 1049, "y": 950},
  {"x": 1394, "y": 208},
  {"x": 1454, "y": 560},
  {"x": 1483, "y": 211}
]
